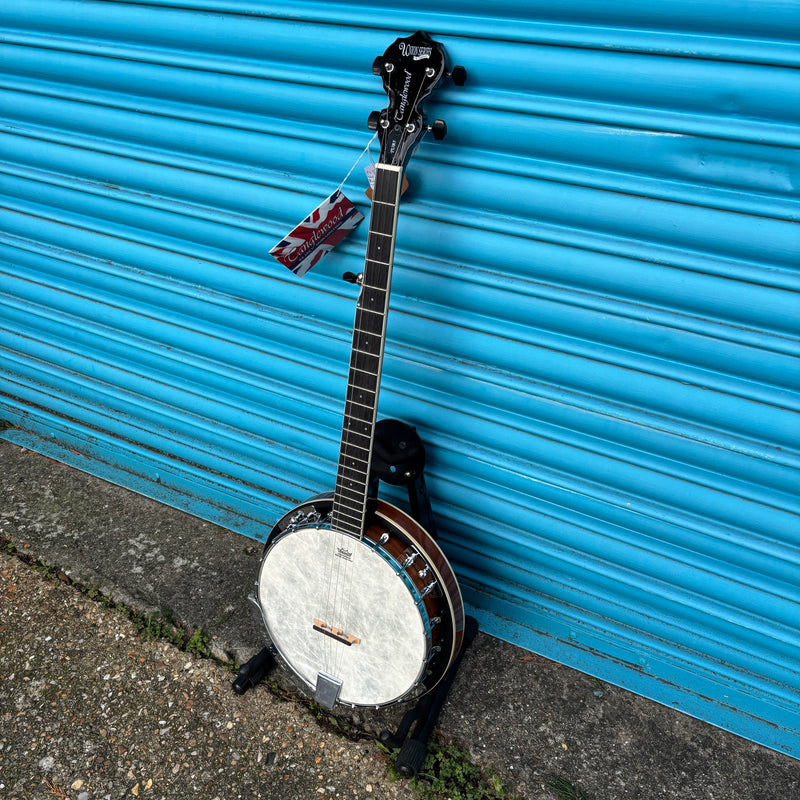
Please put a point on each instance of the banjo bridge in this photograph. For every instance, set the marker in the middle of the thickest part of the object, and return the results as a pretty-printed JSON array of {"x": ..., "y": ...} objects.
[{"x": 336, "y": 633}]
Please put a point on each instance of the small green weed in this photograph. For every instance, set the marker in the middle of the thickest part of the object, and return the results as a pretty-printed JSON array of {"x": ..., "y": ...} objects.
[
  {"x": 198, "y": 644},
  {"x": 449, "y": 772},
  {"x": 564, "y": 790},
  {"x": 48, "y": 571}
]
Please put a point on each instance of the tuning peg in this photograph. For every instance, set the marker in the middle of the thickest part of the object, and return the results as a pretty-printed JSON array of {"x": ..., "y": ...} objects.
[
  {"x": 376, "y": 65},
  {"x": 351, "y": 277},
  {"x": 372, "y": 121},
  {"x": 459, "y": 75},
  {"x": 439, "y": 129}
]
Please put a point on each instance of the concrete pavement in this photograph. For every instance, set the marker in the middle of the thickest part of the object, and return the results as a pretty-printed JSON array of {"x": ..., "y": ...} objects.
[{"x": 78, "y": 682}]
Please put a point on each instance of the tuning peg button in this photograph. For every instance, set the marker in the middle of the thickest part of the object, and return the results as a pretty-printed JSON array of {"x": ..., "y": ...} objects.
[
  {"x": 373, "y": 119},
  {"x": 459, "y": 75},
  {"x": 376, "y": 65},
  {"x": 439, "y": 129}
]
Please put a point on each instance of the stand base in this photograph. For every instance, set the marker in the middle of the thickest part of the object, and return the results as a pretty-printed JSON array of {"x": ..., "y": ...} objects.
[
  {"x": 252, "y": 672},
  {"x": 413, "y": 748}
]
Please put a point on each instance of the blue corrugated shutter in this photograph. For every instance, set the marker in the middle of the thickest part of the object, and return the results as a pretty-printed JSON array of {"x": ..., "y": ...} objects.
[{"x": 595, "y": 301}]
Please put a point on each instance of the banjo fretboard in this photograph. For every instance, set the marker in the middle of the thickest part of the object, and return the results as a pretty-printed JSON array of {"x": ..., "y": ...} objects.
[{"x": 366, "y": 357}]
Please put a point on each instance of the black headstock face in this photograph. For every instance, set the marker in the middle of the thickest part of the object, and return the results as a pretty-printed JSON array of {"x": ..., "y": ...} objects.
[{"x": 411, "y": 68}]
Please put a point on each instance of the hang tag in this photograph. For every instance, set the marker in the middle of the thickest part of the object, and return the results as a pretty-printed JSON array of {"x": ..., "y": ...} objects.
[
  {"x": 317, "y": 234},
  {"x": 369, "y": 171}
]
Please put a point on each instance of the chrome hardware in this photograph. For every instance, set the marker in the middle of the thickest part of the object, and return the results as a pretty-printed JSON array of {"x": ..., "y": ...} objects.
[
  {"x": 326, "y": 692},
  {"x": 428, "y": 589},
  {"x": 304, "y": 518},
  {"x": 435, "y": 650},
  {"x": 423, "y": 573},
  {"x": 384, "y": 538},
  {"x": 410, "y": 560},
  {"x": 435, "y": 621}
]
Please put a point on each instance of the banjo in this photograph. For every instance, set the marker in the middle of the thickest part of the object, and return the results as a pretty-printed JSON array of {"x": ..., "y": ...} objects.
[{"x": 357, "y": 598}]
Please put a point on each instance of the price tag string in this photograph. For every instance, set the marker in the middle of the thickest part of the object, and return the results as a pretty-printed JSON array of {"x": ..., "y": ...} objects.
[{"x": 356, "y": 163}]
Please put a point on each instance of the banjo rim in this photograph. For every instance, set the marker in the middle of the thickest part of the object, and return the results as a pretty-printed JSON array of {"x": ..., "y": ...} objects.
[{"x": 414, "y": 535}]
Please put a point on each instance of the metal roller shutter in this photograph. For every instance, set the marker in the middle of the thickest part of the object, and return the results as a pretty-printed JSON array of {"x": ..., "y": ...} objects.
[{"x": 595, "y": 305}]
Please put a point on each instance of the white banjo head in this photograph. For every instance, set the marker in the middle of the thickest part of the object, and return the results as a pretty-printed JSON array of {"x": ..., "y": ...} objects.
[{"x": 338, "y": 605}]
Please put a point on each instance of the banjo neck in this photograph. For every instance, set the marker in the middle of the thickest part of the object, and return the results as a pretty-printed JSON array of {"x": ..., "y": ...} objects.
[{"x": 366, "y": 357}]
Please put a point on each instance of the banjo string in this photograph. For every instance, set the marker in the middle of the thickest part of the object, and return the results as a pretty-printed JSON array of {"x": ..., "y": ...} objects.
[
  {"x": 341, "y": 604},
  {"x": 329, "y": 614},
  {"x": 348, "y": 582}
]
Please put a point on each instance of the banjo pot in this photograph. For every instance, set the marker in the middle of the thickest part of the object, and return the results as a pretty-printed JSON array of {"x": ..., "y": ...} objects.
[{"x": 390, "y": 636}]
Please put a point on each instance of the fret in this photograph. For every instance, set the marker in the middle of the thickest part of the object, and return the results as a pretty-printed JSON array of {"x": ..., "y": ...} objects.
[
  {"x": 355, "y": 462},
  {"x": 366, "y": 342},
  {"x": 350, "y": 475},
  {"x": 379, "y": 247},
  {"x": 361, "y": 439},
  {"x": 350, "y": 499},
  {"x": 358, "y": 412},
  {"x": 362, "y": 394},
  {"x": 359, "y": 406},
  {"x": 359, "y": 393},
  {"x": 387, "y": 184},
  {"x": 366, "y": 364},
  {"x": 376, "y": 275},
  {"x": 369, "y": 322},
  {"x": 350, "y": 496},
  {"x": 366, "y": 356},
  {"x": 349, "y": 508},
  {"x": 356, "y": 465},
  {"x": 373, "y": 299},
  {"x": 358, "y": 401},
  {"x": 344, "y": 524},
  {"x": 350, "y": 451},
  {"x": 350, "y": 489},
  {"x": 364, "y": 378}
]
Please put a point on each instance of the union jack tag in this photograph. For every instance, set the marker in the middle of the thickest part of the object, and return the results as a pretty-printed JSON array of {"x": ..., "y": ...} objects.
[{"x": 317, "y": 234}]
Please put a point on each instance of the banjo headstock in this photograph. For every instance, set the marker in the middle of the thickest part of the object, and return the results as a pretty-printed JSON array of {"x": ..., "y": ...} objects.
[{"x": 411, "y": 69}]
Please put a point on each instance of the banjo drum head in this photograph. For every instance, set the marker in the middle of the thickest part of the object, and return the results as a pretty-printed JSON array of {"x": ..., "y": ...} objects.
[{"x": 374, "y": 634}]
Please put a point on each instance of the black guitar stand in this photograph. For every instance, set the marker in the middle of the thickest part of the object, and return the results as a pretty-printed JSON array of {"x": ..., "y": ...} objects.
[
  {"x": 398, "y": 458},
  {"x": 413, "y": 747}
]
